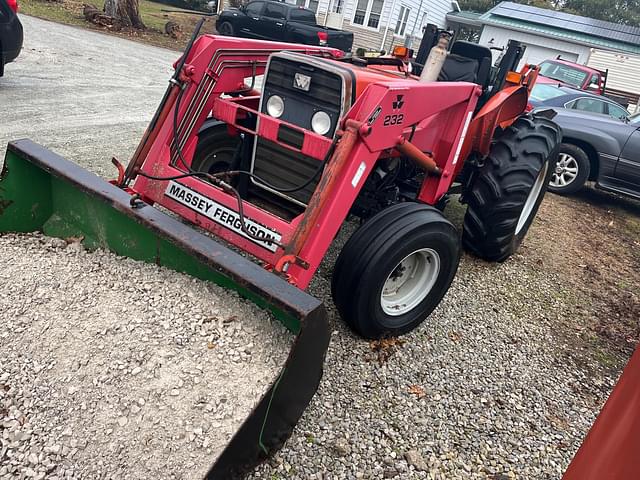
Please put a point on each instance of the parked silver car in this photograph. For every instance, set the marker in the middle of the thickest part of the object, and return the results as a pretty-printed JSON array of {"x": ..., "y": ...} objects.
[{"x": 599, "y": 148}]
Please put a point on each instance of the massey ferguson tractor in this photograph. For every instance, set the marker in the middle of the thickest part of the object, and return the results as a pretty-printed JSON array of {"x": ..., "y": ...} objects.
[{"x": 273, "y": 172}]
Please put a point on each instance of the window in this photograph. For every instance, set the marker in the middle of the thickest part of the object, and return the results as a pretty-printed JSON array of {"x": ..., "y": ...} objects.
[
  {"x": 543, "y": 91},
  {"x": 301, "y": 15},
  {"x": 589, "y": 105},
  {"x": 401, "y": 24},
  {"x": 254, "y": 9},
  {"x": 274, "y": 10},
  {"x": 336, "y": 6},
  {"x": 310, "y": 4},
  {"x": 563, "y": 73},
  {"x": 595, "y": 79},
  {"x": 368, "y": 13},
  {"x": 617, "y": 112}
]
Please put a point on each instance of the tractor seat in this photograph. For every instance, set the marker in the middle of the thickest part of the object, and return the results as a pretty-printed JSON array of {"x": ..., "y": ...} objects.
[{"x": 467, "y": 62}]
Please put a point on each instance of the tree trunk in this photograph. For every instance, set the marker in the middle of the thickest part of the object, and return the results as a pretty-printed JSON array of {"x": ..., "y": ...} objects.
[{"x": 125, "y": 11}]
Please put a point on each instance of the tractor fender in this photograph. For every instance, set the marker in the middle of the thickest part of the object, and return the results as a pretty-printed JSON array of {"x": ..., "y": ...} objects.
[
  {"x": 208, "y": 123},
  {"x": 501, "y": 110}
]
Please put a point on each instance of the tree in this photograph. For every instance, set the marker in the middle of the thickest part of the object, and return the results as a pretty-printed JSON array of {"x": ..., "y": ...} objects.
[
  {"x": 126, "y": 12},
  {"x": 626, "y": 12}
]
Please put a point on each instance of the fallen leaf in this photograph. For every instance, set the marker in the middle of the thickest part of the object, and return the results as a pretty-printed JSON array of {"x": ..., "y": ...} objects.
[
  {"x": 418, "y": 391},
  {"x": 455, "y": 336},
  {"x": 211, "y": 345},
  {"x": 385, "y": 347}
]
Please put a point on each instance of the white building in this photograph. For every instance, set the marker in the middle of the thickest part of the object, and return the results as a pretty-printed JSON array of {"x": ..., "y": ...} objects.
[{"x": 379, "y": 24}]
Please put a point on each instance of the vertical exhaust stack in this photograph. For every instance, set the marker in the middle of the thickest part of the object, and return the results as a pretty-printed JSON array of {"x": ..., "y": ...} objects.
[{"x": 435, "y": 60}]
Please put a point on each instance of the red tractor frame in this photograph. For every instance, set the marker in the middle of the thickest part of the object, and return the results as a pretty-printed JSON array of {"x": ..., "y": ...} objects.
[{"x": 439, "y": 127}]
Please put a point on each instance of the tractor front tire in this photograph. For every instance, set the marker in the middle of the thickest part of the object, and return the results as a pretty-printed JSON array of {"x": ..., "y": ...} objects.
[
  {"x": 395, "y": 269},
  {"x": 508, "y": 189}
]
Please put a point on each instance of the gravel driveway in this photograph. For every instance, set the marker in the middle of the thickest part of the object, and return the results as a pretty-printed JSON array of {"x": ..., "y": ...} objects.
[
  {"x": 85, "y": 95},
  {"x": 489, "y": 387}
]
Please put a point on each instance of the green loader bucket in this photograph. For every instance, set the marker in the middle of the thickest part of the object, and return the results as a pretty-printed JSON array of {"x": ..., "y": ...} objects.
[{"x": 42, "y": 192}]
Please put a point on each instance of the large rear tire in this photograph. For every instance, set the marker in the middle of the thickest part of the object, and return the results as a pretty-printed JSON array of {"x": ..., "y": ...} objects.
[
  {"x": 395, "y": 269},
  {"x": 215, "y": 149},
  {"x": 506, "y": 194}
]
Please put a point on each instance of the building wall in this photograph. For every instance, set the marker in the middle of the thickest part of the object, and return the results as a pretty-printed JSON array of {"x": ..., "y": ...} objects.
[
  {"x": 537, "y": 46},
  {"x": 372, "y": 39},
  {"x": 624, "y": 71}
]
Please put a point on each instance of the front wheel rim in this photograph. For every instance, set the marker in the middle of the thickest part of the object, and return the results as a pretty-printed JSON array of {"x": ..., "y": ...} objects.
[
  {"x": 410, "y": 282},
  {"x": 566, "y": 171},
  {"x": 532, "y": 198}
]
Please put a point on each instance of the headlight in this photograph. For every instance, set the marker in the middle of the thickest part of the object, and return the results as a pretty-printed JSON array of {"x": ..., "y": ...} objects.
[
  {"x": 275, "y": 106},
  {"x": 321, "y": 122}
]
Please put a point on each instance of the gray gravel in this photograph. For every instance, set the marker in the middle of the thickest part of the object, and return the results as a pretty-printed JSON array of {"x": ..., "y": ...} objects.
[
  {"x": 112, "y": 368},
  {"x": 85, "y": 95},
  {"x": 485, "y": 388},
  {"x": 497, "y": 395}
]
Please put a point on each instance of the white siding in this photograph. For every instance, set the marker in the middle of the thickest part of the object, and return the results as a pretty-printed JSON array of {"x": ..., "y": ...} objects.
[
  {"x": 436, "y": 11},
  {"x": 537, "y": 46},
  {"x": 624, "y": 69}
]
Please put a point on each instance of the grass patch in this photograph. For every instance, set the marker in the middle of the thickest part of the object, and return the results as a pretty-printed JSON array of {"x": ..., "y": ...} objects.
[{"x": 69, "y": 12}]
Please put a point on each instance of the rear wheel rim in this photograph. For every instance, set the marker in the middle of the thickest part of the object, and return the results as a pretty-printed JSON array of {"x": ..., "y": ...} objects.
[
  {"x": 566, "y": 171},
  {"x": 410, "y": 282},
  {"x": 532, "y": 199},
  {"x": 217, "y": 161}
]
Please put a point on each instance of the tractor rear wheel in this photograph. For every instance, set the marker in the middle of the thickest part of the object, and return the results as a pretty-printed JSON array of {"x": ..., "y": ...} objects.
[
  {"x": 508, "y": 189},
  {"x": 215, "y": 149},
  {"x": 395, "y": 269}
]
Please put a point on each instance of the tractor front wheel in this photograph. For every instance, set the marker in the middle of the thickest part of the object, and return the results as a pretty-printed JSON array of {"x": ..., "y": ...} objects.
[
  {"x": 395, "y": 269},
  {"x": 508, "y": 189}
]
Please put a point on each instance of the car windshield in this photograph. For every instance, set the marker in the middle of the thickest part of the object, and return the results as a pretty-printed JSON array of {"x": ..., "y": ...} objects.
[
  {"x": 303, "y": 16},
  {"x": 542, "y": 92},
  {"x": 563, "y": 73},
  {"x": 635, "y": 119}
]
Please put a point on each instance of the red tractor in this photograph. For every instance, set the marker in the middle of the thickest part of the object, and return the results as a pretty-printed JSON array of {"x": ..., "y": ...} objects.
[{"x": 276, "y": 172}]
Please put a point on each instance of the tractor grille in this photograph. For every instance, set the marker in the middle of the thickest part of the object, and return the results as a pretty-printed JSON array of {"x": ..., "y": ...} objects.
[{"x": 327, "y": 91}]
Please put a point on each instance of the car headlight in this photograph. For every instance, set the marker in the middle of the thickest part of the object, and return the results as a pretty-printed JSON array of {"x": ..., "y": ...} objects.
[
  {"x": 275, "y": 106},
  {"x": 321, "y": 122}
]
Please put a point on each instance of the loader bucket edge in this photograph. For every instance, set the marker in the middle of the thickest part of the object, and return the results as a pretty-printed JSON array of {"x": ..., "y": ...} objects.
[{"x": 41, "y": 191}]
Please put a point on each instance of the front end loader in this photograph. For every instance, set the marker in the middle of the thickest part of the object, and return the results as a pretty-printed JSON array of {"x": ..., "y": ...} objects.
[{"x": 269, "y": 148}]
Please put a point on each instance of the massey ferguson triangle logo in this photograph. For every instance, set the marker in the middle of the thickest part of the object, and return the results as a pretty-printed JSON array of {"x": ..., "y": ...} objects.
[{"x": 397, "y": 105}]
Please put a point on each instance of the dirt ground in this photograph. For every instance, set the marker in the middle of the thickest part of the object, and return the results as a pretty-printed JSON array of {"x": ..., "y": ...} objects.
[{"x": 593, "y": 240}]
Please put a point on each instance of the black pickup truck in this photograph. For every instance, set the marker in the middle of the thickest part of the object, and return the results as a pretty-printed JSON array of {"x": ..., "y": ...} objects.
[{"x": 269, "y": 20}]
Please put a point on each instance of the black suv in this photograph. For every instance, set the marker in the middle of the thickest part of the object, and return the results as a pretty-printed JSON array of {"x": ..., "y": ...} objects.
[{"x": 10, "y": 33}]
